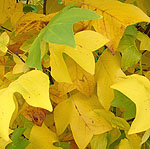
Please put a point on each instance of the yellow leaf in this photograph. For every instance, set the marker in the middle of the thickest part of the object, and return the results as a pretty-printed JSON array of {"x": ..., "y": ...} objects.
[
  {"x": 133, "y": 142},
  {"x": 18, "y": 68},
  {"x": 62, "y": 115},
  {"x": 116, "y": 17},
  {"x": 42, "y": 138},
  {"x": 34, "y": 87},
  {"x": 7, "y": 107},
  {"x": 6, "y": 9},
  {"x": 4, "y": 39},
  {"x": 17, "y": 14},
  {"x": 142, "y": 4},
  {"x": 86, "y": 42},
  {"x": 124, "y": 144},
  {"x": 4, "y": 143},
  {"x": 108, "y": 71},
  {"x": 137, "y": 88},
  {"x": 32, "y": 21},
  {"x": 82, "y": 80},
  {"x": 3, "y": 60},
  {"x": 145, "y": 41},
  {"x": 83, "y": 120},
  {"x": 55, "y": 93}
]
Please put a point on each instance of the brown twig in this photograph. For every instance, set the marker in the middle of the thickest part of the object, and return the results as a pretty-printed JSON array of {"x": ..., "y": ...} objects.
[
  {"x": 5, "y": 28},
  {"x": 44, "y": 7}
]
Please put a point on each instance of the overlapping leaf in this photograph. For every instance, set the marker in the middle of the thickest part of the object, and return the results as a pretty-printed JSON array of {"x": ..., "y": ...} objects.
[
  {"x": 121, "y": 100},
  {"x": 130, "y": 53},
  {"x": 78, "y": 112},
  {"x": 4, "y": 39},
  {"x": 86, "y": 42},
  {"x": 42, "y": 138},
  {"x": 82, "y": 80},
  {"x": 108, "y": 71},
  {"x": 34, "y": 87},
  {"x": 145, "y": 41},
  {"x": 59, "y": 30},
  {"x": 137, "y": 88},
  {"x": 116, "y": 17}
]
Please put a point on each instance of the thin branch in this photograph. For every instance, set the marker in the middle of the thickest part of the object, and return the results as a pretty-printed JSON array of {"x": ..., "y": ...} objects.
[
  {"x": 17, "y": 1},
  {"x": 27, "y": 1},
  {"x": 44, "y": 7},
  {"x": 5, "y": 28}
]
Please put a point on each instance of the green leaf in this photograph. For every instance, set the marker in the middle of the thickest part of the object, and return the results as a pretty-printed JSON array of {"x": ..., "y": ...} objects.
[
  {"x": 27, "y": 125},
  {"x": 146, "y": 145},
  {"x": 59, "y": 31},
  {"x": 99, "y": 141},
  {"x": 19, "y": 142},
  {"x": 129, "y": 51},
  {"x": 131, "y": 30},
  {"x": 123, "y": 101},
  {"x": 29, "y": 8}
]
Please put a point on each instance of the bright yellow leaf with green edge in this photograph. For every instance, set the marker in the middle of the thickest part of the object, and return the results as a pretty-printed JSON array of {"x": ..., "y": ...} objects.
[
  {"x": 34, "y": 87},
  {"x": 6, "y": 9},
  {"x": 86, "y": 42},
  {"x": 82, "y": 80},
  {"x": 108, "y": 71},
  {"x": 4, "y": 39},
  {"x": 116, "y": 17},
  {"x": 42, "y": 138},
  {"x": 145, "y": 41},
  {"x": 83, "y": 120},
  {"x": 137, "y": 88}
]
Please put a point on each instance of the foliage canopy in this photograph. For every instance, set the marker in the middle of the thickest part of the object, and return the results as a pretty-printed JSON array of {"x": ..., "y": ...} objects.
[{"x": 74, "y": 74}]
